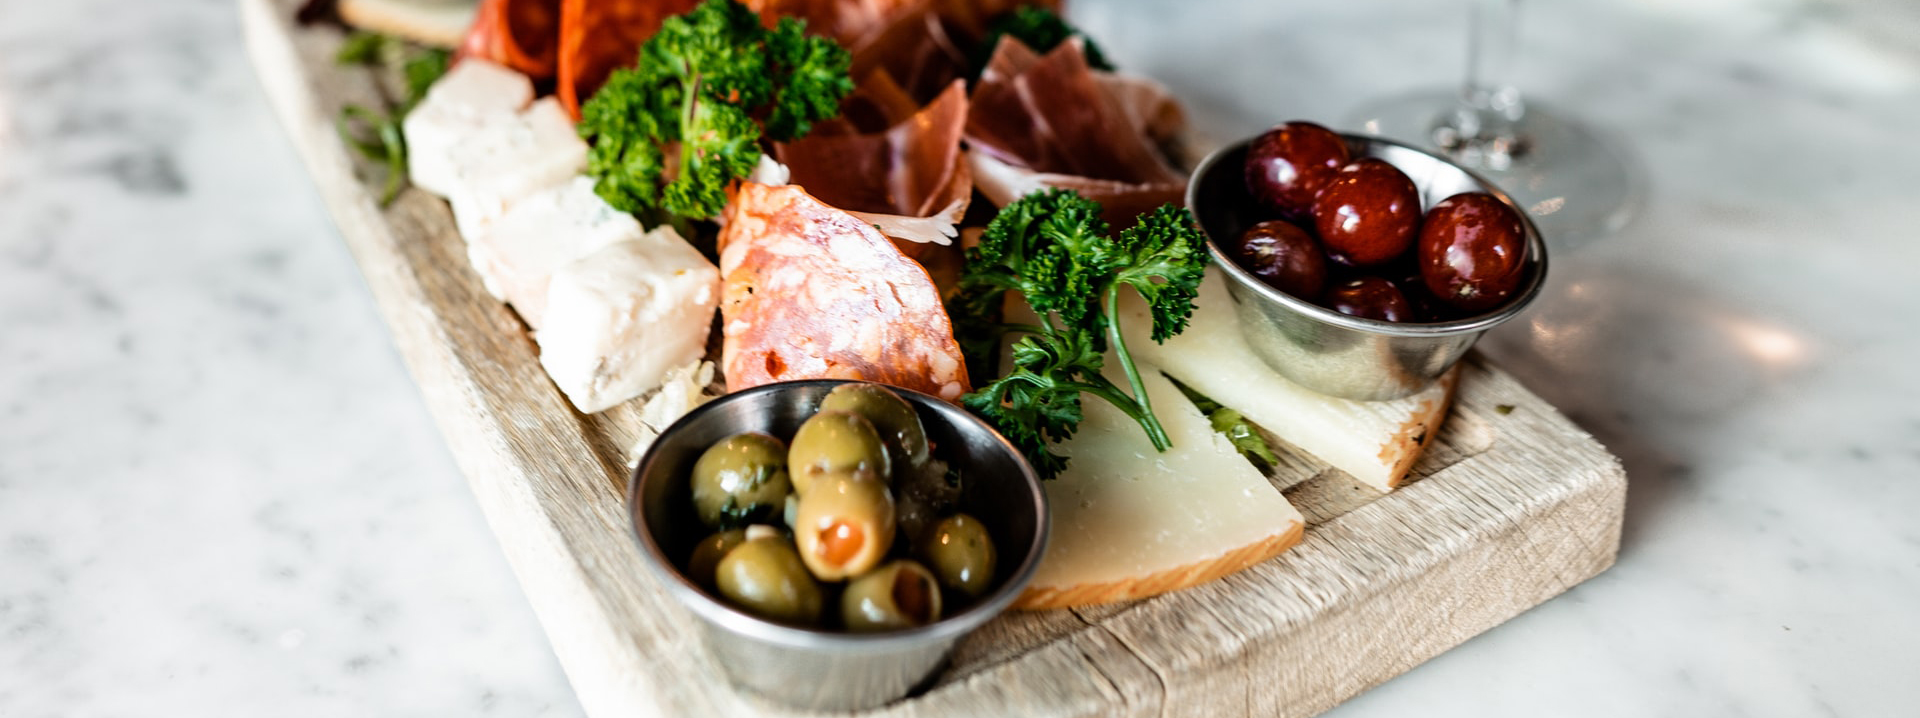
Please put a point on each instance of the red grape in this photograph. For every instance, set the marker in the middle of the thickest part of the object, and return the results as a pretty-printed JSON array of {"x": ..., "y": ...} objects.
[
  {"x": 1285, "y": 257},
  {"x": 1473, "y": 251},
  {"x": 1289, "y": 164},
  {"x": 1371, "y": 298},
  {"x": 1368, "y": 214}
]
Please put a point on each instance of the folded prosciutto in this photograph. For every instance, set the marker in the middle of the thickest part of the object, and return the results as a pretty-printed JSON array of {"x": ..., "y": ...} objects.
[
  {"x": 909, "y": 179},
  {"x": 1051, "y": 121},
  {"x": 811, "y": 292}
]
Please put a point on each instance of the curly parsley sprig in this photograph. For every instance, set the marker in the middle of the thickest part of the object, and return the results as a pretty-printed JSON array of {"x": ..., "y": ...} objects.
[
  {"x": 1053, "y": 248},
  {"x": 669, "y": 134}
]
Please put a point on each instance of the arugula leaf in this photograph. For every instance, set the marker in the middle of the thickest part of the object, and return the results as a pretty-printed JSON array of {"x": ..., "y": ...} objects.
[
  {"x": 1037, "y": 28},
  {"x": 374, "y": 133},
  {"x": 670, "y": 133},
  {"x": 1053, "y": 248},
  {"x": 1240, "y": 432}
]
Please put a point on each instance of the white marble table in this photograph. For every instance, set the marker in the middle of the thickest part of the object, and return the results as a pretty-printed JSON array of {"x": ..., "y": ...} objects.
[{"x": 220, "y": 494}]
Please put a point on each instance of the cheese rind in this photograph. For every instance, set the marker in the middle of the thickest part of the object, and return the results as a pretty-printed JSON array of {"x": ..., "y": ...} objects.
[
  {"x": 1130, "y": 522},
  {"x": 1375, "y": 441},
  {"x": 474, "y": 93},
  {"x": 617, "y": 319},
  {"x": 518, "y": 253}
]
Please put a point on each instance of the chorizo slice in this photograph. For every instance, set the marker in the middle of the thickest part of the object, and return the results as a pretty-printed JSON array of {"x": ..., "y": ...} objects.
[
  {"x": 811, "y": 292},
  {"x": 522, "y": 35}
]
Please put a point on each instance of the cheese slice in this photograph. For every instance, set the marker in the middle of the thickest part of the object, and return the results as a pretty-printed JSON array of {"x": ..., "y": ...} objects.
[
  {"x": 1131, "y": 522},
  {"x": 506, "y": 161},
  {"x": 1375, "y": 441},
  {"x": 618, "y": 318},
  {"x": 518, "y": 253},
  {"x": 470, "y": 96}
]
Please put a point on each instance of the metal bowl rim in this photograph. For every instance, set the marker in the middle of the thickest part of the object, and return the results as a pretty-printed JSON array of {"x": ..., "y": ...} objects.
[
  {"x": 1536, "y": 248},
  {"x": 733, "y": 620}
]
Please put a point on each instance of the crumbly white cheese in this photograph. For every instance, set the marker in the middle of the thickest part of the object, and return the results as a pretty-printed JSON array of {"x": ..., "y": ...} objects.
[
  {"x": 1123, "y": 512},
  {"x": 507, "y": 161},
  {"x": 684, "y": 389},
  {"x": 516, "y": 254},
  {"x": 1211, "y": 356},
  {"x": 472, "y": 94},
  {"x": 617, "y": 319}
]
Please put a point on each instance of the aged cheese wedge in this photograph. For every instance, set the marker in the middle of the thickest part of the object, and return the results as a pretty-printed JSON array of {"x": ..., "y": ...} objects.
[
  {"x": 1375, "y": 441},
  {"x": 1130, "y": 522}
]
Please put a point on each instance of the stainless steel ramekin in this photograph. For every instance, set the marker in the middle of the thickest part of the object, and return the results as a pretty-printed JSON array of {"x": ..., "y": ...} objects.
[
  {"x": 820, "y": 669},
  {"x": 1320, "y": 348}
]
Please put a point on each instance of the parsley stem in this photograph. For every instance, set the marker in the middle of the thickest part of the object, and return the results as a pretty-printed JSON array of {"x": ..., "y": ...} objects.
[{"x": 1151, "y": 423}]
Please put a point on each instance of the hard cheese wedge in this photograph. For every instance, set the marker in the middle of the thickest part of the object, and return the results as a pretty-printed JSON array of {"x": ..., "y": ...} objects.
[
  {"x": 1130, "y": 522},
  {"x": 1375, "y": 441}
]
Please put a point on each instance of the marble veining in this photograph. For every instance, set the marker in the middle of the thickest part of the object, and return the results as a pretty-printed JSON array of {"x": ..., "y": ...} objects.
[{"x": 220, "y": 493}]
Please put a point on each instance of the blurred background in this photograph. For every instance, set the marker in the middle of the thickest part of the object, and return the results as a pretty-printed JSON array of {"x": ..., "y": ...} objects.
[{"x": 220, "y": 492}]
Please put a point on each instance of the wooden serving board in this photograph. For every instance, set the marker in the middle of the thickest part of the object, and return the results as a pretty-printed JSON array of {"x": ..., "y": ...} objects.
[{"x": 1510, "y": 506}]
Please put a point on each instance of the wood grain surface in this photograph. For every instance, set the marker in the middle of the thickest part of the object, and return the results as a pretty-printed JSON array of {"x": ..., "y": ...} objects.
[{"x": 1510, "y": 505}]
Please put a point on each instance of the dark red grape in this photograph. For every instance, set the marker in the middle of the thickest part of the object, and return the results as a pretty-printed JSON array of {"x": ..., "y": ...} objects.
[
  {"x": 1370, "y": 297},
  {"x": 1368, "y": 214},
  {"x": 1473, "y": 251},
  {"x": 1289, "y": 164},
  {"x": 1285, "y": 257}
]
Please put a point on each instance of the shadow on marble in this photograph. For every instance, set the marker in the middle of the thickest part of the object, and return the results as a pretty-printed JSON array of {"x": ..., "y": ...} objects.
[{"x": 1647, "y": 361}]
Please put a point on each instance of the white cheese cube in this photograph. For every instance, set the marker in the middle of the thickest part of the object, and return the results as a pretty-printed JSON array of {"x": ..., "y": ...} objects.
[
  {"x": 506, "y": 162},
  {"x": 517, "y": 253},
  {"x": 617, "y": 319},
  {"x": 470, "y": 95}
]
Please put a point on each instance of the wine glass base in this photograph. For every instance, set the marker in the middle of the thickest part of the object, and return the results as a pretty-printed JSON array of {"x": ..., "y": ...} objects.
[{"x": 1575, "y": 185}]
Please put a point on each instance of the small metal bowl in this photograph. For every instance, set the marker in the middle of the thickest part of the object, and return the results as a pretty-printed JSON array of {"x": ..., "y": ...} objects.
[
  {"x": 1322, "y": 349},
  {"x": 817, "y": 669}
]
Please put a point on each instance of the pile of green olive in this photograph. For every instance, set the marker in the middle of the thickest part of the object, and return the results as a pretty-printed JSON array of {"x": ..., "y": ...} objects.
[{"x": 855, "y": 510}]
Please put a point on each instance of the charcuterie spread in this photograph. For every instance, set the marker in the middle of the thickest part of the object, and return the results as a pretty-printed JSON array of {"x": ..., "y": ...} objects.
[{"x": 963, "y": 199}]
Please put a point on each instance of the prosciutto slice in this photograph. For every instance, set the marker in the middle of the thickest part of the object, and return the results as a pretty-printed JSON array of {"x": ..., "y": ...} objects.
[
  {"x": 1051, "y": 121},
  {"x": 811, "y": 292},
  {"x": 917, "y": 50},
  {"x": 911, "y": 170}
]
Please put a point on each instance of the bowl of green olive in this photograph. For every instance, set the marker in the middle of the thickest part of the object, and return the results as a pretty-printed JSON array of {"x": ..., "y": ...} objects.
[{"x": 836, "y": 538}]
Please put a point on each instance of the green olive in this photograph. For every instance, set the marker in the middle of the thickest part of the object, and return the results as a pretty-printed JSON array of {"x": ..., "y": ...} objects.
[
  {"x": 707, "y": 555},
  {"x": 901, "y": 594},
  {"x": 765, "y": 577},
  {"x": 835, "y": 441},
  {"x": 961, "y": 553},
  {"x": 740, "y": 480},
  {"x": 898, "y": 424},
  {"x": 844, "y": 525}
]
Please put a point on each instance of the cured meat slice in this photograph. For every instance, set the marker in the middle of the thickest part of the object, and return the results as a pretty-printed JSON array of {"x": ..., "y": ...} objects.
[
  {"x": 843, "y": 20},
  {"x": 811, "y": 292},
  {"x": 1051, "y": 114},
  {"x": 1051, "y": 121},
  {"x": 520, "y": 34},
  {"x": 912, "y": 169},
  {"x": 600, "y": 36},
  {"x": 916, "y": 50}
]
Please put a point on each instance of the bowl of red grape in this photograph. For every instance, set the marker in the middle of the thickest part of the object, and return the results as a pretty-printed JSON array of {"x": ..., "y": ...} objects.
[{"x": 1361, "y": 267}]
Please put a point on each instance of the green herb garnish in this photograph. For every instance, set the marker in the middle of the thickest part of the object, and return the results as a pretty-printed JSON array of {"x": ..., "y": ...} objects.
[
  {"x": 1053, "y": 248},
  {"x": 1245, "y": 437},
  {"x": 669, "y": 134},
  {"x": 376, "y": 134},
  {"x": 1037, "y": 28}
]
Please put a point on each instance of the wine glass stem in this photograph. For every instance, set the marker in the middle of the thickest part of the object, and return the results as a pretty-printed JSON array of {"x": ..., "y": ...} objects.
[{"x": 1481, "y": 129}]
